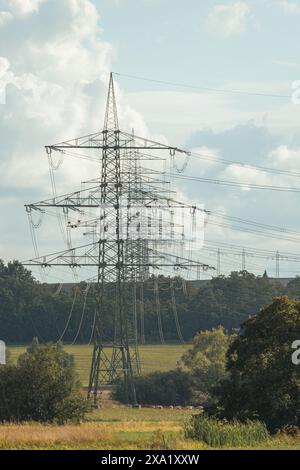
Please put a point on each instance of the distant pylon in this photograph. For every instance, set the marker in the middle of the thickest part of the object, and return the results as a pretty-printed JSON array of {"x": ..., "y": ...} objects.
[
  {"x": 277, "y": 269},
  {"x": 218, "y": 262},
  {"x": 244, "y": 260}
]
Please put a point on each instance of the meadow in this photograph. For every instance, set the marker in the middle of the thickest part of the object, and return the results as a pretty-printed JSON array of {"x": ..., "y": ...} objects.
[
  {"x": 153, "y": 357},
  {"x": 116, "y": 427}
]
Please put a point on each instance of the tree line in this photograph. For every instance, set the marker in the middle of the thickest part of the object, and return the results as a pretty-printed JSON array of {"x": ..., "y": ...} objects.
[{"x": 29, "y": 308}]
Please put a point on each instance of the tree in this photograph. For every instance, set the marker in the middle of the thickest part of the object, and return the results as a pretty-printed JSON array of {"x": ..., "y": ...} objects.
[
  {"x": 263, "y": 382},
  {"x": 293, "y": 288},
  {"x": 43, "y": 386},
  {"x": 228, "y": 301},
  {"x": 173, "y": 387},
  {"x": 206, "y": 360},
  {"x": 29, "y": 308}
]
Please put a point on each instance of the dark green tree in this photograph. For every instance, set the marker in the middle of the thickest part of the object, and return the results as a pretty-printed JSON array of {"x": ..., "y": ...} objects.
[
  {"x": 228, "y": 301},
  {"x": 293, "y": 288},
  {"x": 43, "y": 387},
  {"x": 161, "y": 388},
  {"x": 263, "y": 382}
]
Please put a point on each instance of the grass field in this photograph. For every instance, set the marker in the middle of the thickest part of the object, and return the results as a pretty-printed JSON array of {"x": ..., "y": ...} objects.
[
  {"x": 153, "y": 357},
  {"x": 117, "y": 429}
]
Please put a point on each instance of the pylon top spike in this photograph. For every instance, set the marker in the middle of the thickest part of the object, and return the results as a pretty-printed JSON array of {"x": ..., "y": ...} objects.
[{"x": 111, "y": 114}]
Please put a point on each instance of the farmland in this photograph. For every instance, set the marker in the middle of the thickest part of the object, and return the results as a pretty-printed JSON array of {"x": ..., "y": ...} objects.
[
  {"x": 117, "y": 428},
  {"x": 153, "y": 358}
]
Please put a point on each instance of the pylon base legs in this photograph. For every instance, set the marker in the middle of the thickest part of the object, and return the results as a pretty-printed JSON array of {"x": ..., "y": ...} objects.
[{"x": 109, "y": 366}]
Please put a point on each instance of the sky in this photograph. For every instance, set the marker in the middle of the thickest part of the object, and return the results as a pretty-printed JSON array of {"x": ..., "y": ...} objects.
[{"x": 55, "y": 60}]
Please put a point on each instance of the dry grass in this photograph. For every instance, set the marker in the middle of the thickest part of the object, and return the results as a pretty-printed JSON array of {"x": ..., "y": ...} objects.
[
  {"x": 49, "y": 434},
  {"x": 120, "y": 435},
  {"x": 85, "y": 432}
]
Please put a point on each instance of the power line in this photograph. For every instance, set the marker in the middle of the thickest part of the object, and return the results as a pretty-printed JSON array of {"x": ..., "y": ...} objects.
[
  {"x": 236, "y": 184},
  {"x": 83, "y": 313},
  {"x": 249, "y": 251},
  {"x": 198, "y": 87},
  {"x": 175, "y": 313},
  {"x": 70, "y": 315},
  {"x": 204, "y": 156},
  {"x": 213, "y": 158}
]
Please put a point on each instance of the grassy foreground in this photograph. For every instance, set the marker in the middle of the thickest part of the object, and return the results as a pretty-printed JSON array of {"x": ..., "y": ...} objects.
[
  {"x": 153, "y": 357},
  {"x": 117, "y": 428}
]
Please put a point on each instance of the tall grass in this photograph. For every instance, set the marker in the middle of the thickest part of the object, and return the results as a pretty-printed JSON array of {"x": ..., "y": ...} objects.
[
  {"x": 217, "y": 433},
  {"x": 125, "y": 433}
]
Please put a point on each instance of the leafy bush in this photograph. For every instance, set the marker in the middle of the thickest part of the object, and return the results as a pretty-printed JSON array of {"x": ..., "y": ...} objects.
[
  {"x": 217, "y": 433},
  {"x": 43, "y": 387},
  {"x": 206, "y": 361},
  {"x": 160, "y": 388}
]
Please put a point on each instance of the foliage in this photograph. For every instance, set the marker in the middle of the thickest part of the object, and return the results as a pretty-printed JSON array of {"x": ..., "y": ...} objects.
[
  {"x": 160, "y": 388},
  {"x": 228, "y": 301},
  {"x": 206, "y": 360},
  {"x": 42, "y": 387},
  {"x": 293, "y": 288},
  {"x": 263, "y": 382},
  {"x": 29, "y": 308},
  {"x": 217, "y": 433}
]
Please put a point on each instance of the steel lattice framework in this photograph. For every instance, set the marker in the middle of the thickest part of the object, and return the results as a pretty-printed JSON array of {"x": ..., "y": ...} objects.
[{"x": 134, "y": 228}]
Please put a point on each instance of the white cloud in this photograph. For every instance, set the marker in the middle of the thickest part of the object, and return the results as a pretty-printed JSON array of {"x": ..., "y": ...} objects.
[
  {"x": 289, "y": 7},
  {"x": 58, "y": 81},
  {"x": 48, "y": 98},
  {"x": 244, "y": 174},
  {"x": 56, "y": 84},
  {"x": 207, "y": 160},
  {"x": 4, "y": 66},
  {"x": 25, "y": 7},
  {"x": 178, "y": 114},
  {"x": 285, "y": 157},
  {"x": 281, "y": 157},
  {"x": 5, "y": 16},
  {"x": 85, "y": 18},
  {"x": 5, "y": 78},
  {"x": 228, "y": 19}
]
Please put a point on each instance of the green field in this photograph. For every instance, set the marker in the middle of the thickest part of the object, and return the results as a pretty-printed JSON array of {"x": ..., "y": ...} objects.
[
  {"x": 153, "y": 357},
  {"x": 117, "y": 428}
]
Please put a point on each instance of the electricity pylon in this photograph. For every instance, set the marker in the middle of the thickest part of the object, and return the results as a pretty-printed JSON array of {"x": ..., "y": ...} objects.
[{"x": 133, "y": 224}]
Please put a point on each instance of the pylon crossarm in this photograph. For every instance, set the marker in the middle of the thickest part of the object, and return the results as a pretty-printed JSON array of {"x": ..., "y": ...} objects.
[
  {"x": 142, "y": 143},
  {"x": 97, "y": 141},
  {"x": 86, "y": 255}
]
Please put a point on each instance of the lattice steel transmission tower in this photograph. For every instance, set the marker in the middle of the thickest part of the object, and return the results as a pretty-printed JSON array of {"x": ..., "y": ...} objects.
[{"x": 134, "y": 231}]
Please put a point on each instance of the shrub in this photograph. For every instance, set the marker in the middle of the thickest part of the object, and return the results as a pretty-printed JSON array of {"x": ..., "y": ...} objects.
[
  {"x": 217, "y": 433},
  {"x": 160, "y": 388},
  {"x": 206, "y": 361},
  {"x": 43, "y": 387}
]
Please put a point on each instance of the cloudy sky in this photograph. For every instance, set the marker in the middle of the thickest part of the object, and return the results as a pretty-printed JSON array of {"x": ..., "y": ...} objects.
[{"x": 55, "y": 59}]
